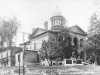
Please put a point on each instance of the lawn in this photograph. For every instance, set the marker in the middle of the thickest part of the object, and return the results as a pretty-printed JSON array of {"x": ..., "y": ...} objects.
[{"x": 58, "y": 70}]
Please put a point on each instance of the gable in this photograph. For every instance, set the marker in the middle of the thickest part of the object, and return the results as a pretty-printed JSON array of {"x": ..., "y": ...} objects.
[
  {"x": 38, "y": 31},
  {"x": 77, "y": 29}
]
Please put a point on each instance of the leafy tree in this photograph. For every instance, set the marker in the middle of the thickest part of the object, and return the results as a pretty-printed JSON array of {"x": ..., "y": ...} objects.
[
  {"x": 65, "y": 44},
  {"x": 8, "y": 30},
  {"x": 49, "y": 51},
  {"x": 93, "y": 41},
  {"x": 57, "y": 47}
]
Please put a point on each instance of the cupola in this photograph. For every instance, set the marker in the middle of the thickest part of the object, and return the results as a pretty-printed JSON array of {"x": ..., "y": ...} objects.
[{"x": 57, "y": 20}]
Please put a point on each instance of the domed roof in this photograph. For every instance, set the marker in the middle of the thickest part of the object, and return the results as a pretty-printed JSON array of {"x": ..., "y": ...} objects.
[{"x": 57, "y": 12}]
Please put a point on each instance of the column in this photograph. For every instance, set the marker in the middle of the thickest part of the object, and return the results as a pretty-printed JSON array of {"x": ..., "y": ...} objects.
[
  {"x": 72, "y": 41},
  {"x": 84, "y": 57},
  {"x": 52, "y": 22},
  {"x": 79, "y": 56}
]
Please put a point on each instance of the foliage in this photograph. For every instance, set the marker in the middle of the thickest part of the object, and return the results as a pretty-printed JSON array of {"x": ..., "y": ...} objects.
[
  {"x": 8, "y": 30},
  {"x": 93, "y": 41},
  {"x": 57, "y": 47},
  {"x": 65, "y": 44},
  {"x": 49, "y": 50}
]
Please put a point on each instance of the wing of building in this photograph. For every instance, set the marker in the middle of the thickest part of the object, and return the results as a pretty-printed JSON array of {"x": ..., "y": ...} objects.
[{"x": 7, "y": 56}]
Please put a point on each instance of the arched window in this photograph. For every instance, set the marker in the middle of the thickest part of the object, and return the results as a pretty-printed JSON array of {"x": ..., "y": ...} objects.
[
  {"x": 60, "y": 38},
  {"x": 69, "y": 41},
  {"x": 81, "y": 43},
  {"x": 75, "y": 41}
]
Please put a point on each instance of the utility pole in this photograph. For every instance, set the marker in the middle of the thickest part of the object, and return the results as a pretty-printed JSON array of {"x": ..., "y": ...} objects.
[
  {"x": 23, "y": 55},
  {"x": 19, "y": 62},
  {"x": 24, "y": 52}
]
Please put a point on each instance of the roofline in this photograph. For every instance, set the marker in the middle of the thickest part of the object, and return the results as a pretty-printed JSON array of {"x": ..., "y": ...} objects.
[
  {"x": 80, "y": 29},
  {"x": 25, "y": 43},
  {"x": 57, "y": 16},
  {"x": 7, "y": 48},
  {"x": 37, "y": 29},
  {"x": 49, "y": 31},
  {"x": 25, "y": 50},
  {"x": 78, "y": 33},
  {"x": 44, "y": 33}
]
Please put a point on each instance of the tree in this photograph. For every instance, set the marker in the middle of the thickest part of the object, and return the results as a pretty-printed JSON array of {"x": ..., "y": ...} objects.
[
  {"x": 93, "y": 41},
  {"x": 65, "y": 44},
  {"x": 49, "y": 51},
  {"x": 8, "y": 30},
  {"x": 57, "y": 47}
]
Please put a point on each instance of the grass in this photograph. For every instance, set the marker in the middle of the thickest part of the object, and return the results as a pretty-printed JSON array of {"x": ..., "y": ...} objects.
[{"x": 54, "y": 70}]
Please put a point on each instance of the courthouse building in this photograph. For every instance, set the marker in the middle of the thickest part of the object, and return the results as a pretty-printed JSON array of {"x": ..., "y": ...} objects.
[{"x": 57, "y": 24}]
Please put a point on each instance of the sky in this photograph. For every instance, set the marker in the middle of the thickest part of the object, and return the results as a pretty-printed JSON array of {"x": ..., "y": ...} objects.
[{"x": 33, "y": 13}]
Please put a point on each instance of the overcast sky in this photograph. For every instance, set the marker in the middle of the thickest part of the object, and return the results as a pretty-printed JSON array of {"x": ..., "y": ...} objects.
[{"x": 33, "y": 13}]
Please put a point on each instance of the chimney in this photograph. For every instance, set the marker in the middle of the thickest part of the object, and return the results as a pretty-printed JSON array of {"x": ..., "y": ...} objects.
[{"x": 46, "y": 25}]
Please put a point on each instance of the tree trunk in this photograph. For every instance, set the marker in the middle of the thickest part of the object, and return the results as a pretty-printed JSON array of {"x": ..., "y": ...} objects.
[
  {"x": 48, "y": 62},
  {"x": 95, "y": 59}
]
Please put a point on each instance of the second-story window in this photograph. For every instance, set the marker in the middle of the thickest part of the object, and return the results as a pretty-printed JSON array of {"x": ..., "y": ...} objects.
[
  {"x": 81, "y": 43},
  {"x": 34, "y": 46},
  {"x": 7, "y": 54}
]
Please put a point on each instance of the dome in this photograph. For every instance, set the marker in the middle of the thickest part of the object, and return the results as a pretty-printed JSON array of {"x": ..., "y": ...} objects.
[{"x": 57, "y": 12}]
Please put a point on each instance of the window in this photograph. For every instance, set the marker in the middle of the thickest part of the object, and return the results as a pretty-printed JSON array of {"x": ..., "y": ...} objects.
[
  {"x": 81, "y": 42},
  {"x": 53, "y": 63},
  {"x": 55, "y": 22},
  {"x": 34, "y": 46},
  {"x": 60, "y": 63},
  {"x": 1, "y": 56},
  {"x": 75, "y": 41},
  {"x": 58, "y": 22},
  {"x": 19, "y": 58},
  {"x": 7, "y": 54}
]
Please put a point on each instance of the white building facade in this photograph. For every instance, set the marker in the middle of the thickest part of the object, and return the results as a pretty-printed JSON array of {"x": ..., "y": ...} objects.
[{"x": 7, "y": 56}]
